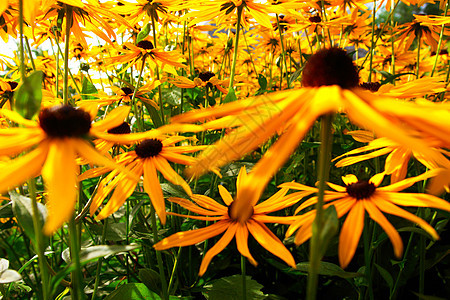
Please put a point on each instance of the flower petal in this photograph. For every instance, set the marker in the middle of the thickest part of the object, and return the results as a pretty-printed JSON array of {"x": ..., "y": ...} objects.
[
  {"x": 350, "y": 234},
  {"x": 153, "y": 188},
  {"x": 242, "y": 243},
  {"x": 166, "y": 170}
]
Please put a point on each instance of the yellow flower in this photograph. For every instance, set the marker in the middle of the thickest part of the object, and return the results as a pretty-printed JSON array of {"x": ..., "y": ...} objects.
[
  {"x": 358, "y": 197},
  {"x": 149, "y": 155},
  {"x": 204, "y": 79},
  {"x": 331, "y": 82},
  {"x": 60, "y": 138},
  {"x": 234, "y": 225}
]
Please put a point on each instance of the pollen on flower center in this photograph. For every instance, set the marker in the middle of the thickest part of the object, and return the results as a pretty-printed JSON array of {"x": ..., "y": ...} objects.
[
  {"x": 123, "y": 128},
  {"x": 127, "y": 91},
  {"x": 148, "y": 148},
  {"x": 205, "y": 76},
  {"x": 147, "y": 45},
  {"x": 64, "y": 121},
  {"x": 361, "y": 189},
  {"x": 330, "y": 67}
]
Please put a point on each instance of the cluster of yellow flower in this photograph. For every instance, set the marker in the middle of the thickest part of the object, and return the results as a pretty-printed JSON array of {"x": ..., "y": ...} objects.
[{"x": 264, "y": 69}]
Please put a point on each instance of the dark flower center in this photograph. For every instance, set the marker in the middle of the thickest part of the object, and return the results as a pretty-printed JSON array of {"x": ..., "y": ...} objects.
[
  {"x": 64, "y": 121},
  {"x": 330, "y": 67},
  {"x": 371, "y": 86},
  {"x": 127, "y": 91},
  {"x": 148, "y": 148},
  {"x": 147, "y": 45},
  {"x": 12, "y": 84},
  {"x": 205, "y": 76},
  {"x": 123, "y": 128},
  {"x": 237, "y": 215},
  {"x": 315, "y": 19},
  {"x": 361, "y": 189}
]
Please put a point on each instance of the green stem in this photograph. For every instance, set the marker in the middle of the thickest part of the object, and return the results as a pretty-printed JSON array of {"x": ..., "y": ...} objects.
[
  {"x": 69, "y": 21},
  {"x": 441, "y": 35},
  {"x": 161, "y": 105},
  {"x": 77, "y": 278},
  {"x": 236, "y": 46},
  {"x": 283, "y": 54},
  {"x": 30, "y": 54},
  {"x": 368, "y": 256},
  {"x": 100, "y": 260},
  {"x": 419, "y": 37},
  {"x": 162, "y": 275},
  {"x": 324, "y": 168},
  {"x": 39, "y": 245},
  {"x": 22, "y": 51},
  {"x": 244, "y": 278},
  {"x": 372, "y": 42},
  {"x": 133, "y": 97}
]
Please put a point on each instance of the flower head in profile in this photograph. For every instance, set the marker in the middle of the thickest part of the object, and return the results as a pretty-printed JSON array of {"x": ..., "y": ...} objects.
[
  {"x": 56, "y": 140},
  {"x": 358, "y": 197},
  {"x": 149, "y": 156},
  {"x": 238, "y": 224},
  {"x": 204, "y": 79}
]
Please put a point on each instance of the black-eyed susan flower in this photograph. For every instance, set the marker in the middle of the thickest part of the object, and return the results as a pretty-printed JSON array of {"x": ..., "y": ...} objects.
[
  {"x": 55, "y": 140},
  {"x": 239, "y": 225},
  {"x": 204, "y": 79},
  {"x": 149, "y": 156},
  {"x": 331, "y": 85},
  {"x": 358, "y": 197},
  {"x": 145, "y": 49}
]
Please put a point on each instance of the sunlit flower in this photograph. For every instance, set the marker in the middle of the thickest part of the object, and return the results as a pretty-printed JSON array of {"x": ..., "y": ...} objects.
[
  {"x": 60, "y": 137},
  {"x": 331, "y": 85},
  {"x": 204, "y": 79},
  {"x": 237, "y": 225},
  {"x": 360, "y": 196},
  {"x": 148, "y": 156}
]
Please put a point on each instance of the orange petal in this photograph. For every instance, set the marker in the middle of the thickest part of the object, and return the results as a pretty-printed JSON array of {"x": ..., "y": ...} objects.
[{"x": 350, "y": 234}]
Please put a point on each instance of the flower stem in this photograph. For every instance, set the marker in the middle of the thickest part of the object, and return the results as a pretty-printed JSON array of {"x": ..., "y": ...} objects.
[
  {"x": 244, "y": 278},
  {"x": 441, "y": 35},
  {"x": 324, "y": 169},
  {"x": 77, "y": 278},
  {"x": 283, "y": 54},
  {"x": 133, "y": 97},
  {"x": 158, "y": 254},
  {"x": 39, "y": 240},
  {"x": 69, "y": 21},
  {"x": 161, "y": 106},
  {"x": 372, "y": 42},
  {"x": 100, "y": 260},
  {"x": 236, "y": 45}
]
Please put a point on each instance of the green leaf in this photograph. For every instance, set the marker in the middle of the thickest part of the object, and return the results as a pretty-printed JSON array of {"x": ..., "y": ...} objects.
[
  {"x": 262, "y": 82},
  {"x": 6, "y": 211},
  {"x": 230, "y": 288},
  {"x": 427, "y": 297},
  {"x": 133, "y": 291},
  {"x": 151, "y": 279},
  {"x": 28, "y": 95},
  {"x": 329, "y": 269},
  {"x": 114, "y": 232},
  {"x": 154, "y": 114},
  {"x": 144, "y": 33},
  {"x": 172, "y": 96},
  {"x": 87, "y": 255},
  {"x": 23, "y": 211},
  {"x": 329, "y": 228},
  {"x": 295, "y": 75},
  {"x": 231, "y": 96},
  {"x": 88, "y": 89},
  {"x": 386, "y": 275}
]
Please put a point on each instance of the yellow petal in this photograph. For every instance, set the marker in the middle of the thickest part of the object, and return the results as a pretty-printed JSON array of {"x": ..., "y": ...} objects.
[
  {"x": 226, "y": 197},
  {"x": 218, "y": 247},
  {"x": 350, "y": 234},
  {"x": 269, "y": 241},
  {"x": 242, "y": 243},
  {"x": 378, "y": 217},
  {"x": 113, "y": 119},
  {"x": 166, "y": 170},
  {"x": 20, "y": 169},
  {"x": 60, "y": 177},
  {"x": 153, "y": 189}
]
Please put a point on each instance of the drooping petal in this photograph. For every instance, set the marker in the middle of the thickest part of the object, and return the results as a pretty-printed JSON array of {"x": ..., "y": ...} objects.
[
  {"x": 191, "y": 237},
  {"x": 20, "y": 169},
  {"x": 153, "y": 189},
  {"x": 218, "y": 247},
  {"x": 60, "y": 177},
  {"x": 269, "y": 241},
  {"x": 242, "y": 242},
  {"x": 415, "y": 199},
  {"x": 350, "y": 234},
  {"x": 193, "y": 207},
  {"x": 378, "y": 217},
  {"x": 166, "y": 170}
]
